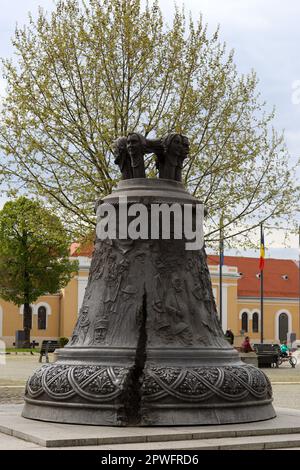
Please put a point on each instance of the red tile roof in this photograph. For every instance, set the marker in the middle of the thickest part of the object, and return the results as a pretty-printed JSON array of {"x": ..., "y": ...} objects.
[
  {"x": 274, "y": 284},
  {"x": 85, "y": 249}
]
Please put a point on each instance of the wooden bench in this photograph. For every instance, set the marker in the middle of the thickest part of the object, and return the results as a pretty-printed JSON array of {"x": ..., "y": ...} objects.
[
  {"x": 48, "y": 346},
  {"x": 267, "y": 354}
]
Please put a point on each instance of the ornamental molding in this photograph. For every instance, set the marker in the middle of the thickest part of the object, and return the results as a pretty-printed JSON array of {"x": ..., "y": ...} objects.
[{"x": 102, "y": 384}]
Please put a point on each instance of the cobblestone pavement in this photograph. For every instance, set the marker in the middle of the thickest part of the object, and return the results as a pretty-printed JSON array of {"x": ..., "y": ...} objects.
[
  {"x": 13, "y": 376},
  {"x": 18, "y": 368},
  {"x": 11, "y": 395}
]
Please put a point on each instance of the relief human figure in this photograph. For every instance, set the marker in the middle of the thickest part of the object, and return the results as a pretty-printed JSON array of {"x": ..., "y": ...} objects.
[
  {"x": 177, "y": 306},
  {"x": 185, "y": 150},
  {"x": 176, "y": 301},
  {"x": 111, "y": 284},
  {"x": 162, "y": 323},
  {"x": 82, "y": 326},
  {"x": 137, "y": 147},
  {"x": 113, "y": 281},
  {"x": 173, "y": 151},
  {"x": 122, "y": 158},
  {"x": 101, "y": 327},
  {"x": 184, "y": 333},
  {"x": 126, "y": 319}
]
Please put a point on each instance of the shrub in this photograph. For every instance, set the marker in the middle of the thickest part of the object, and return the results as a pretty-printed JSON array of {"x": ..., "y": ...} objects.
[{"x": 63, "y": 341}]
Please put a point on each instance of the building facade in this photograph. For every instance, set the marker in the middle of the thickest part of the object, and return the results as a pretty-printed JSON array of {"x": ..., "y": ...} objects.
[
  {"x": 241, "y": 297},
  {"x": 54, "y": 316}
]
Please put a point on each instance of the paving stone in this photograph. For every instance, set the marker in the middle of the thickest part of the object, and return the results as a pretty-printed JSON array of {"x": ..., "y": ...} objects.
[
  {"x": 54, "y": 435},
  {"x": 239, "y": 443}
]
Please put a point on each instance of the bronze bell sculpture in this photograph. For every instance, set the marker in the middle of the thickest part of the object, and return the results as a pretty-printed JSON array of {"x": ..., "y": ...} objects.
[{"x": 148, "y": 348}]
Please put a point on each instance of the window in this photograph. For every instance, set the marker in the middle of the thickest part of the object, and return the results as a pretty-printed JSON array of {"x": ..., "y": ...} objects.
[
  {"x": 42, "y": 318},
  {"x": 283, "y": 326},
  {"x": 255, "y": 322},
  {"x": 245, "y": 322}
]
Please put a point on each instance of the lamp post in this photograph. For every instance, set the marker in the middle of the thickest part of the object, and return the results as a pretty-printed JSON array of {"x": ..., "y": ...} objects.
[
  {"x": 262, "y": 290},
  {"x": 299, "y": 279},
  {"x": 221, "y": 261}
]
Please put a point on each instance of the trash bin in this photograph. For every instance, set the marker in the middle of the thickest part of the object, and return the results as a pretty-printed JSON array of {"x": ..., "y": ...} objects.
[{"x": 20, "y": 338}]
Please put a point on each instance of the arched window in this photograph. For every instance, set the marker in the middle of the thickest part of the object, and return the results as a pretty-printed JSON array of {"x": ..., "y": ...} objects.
[
  {"x": 245, "y": 322},
  {"x": 42, "y": 318},
  {"x": 255, "y": 322},
  {"x": 283, "y": 326}
]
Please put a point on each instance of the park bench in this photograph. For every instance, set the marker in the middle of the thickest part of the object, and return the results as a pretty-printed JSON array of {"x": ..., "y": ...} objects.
[
  {"x": 267, "y": 354},
  {"x": 48, "y": 346}
]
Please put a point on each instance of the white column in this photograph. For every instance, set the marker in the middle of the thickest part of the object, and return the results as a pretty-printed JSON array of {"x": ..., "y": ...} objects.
[
  {"x": 215, "y": 295},
  {"x": 224, "y": 306},
  {"x": 82, "y": 283}
]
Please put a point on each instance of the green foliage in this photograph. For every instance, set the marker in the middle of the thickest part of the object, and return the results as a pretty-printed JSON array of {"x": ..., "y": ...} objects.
[
  {"x": 63, "y": 341},
  {"x": 95, "y": 70},
  {"x": 34, "y": 252}
]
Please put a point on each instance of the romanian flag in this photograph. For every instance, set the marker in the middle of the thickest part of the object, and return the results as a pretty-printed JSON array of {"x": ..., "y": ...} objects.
[{"x": 262, "y": 252}]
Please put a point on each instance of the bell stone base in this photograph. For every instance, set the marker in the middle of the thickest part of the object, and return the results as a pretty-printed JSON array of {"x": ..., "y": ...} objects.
[
  {"x": 167, "y": 417},
  {"x": 158, "y": 395}
]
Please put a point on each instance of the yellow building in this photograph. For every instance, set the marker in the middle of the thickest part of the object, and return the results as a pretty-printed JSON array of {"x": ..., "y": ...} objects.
[
  {"x": 54, "y": 316},
  {"x": 241, "y": 297}
]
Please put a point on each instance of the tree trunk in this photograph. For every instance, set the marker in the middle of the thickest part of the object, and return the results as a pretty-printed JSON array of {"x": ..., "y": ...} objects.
[
  {"x": 27, "y": 324},
  {"x": 27, "y": 313}
]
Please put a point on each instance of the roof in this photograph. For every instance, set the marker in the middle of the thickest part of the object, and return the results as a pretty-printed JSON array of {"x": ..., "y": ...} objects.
[
  {"x": 85, "y": 249},
  {"x": 248, "y": 284},
  {"x": 274, "y": 283}
]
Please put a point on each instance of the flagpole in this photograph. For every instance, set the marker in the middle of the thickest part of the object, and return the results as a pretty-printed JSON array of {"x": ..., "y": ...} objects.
[
  {"x": 221, "y": 274},
  {"x": 299, "y": 275},
  {"x": 261, "y": 293}
]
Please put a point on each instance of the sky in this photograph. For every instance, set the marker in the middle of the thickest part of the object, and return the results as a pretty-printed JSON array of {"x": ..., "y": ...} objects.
[{"x": 265, "y": 35}]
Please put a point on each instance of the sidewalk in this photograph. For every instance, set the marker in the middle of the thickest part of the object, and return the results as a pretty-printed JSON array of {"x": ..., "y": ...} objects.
[
  {"x": 13, "y": 375},
  {"x": 20, "y": 433}
]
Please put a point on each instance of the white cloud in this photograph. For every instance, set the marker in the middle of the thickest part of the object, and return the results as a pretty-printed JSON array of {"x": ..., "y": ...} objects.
[
  {"x": 3, "y": 200},
  {"x": 293, "y": 137},
  {"x": 16, "y": 12}
]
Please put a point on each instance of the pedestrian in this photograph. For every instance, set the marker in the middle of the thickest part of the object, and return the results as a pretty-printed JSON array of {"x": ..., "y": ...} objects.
[
  {"x": 246, "y": 346},
  {"x": 229, "y": 336},
  {"x": 284, "y": 349}
]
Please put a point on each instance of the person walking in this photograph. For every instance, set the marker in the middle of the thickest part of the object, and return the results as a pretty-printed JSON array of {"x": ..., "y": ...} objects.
[
  {"x": 229, "y": 336},
  {"x": 246, "y": 346}
]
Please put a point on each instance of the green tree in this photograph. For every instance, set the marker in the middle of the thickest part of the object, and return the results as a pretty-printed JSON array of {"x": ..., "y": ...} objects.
[
  {"x": 34, "y": 255},
  {"x": 95, "y": 70}
]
